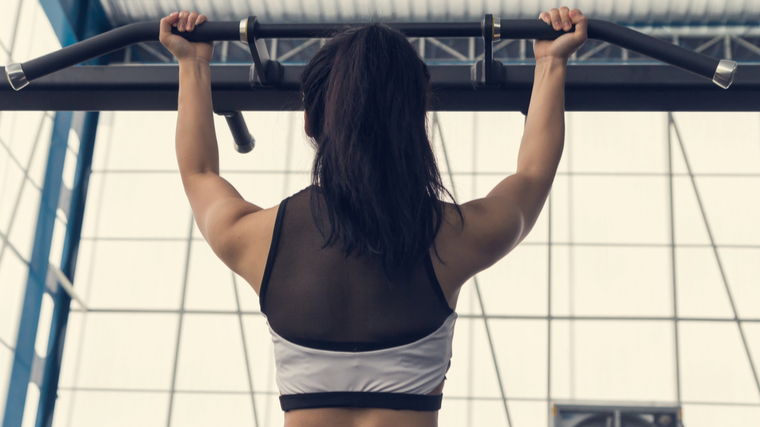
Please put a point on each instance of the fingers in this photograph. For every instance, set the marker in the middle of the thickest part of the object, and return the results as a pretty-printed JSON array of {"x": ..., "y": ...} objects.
[
  {"x": 191, "y": 21},
  {"x": 166, "y": 27},
  {"x": 555, "y": 19},
  {"x": 564, "y": 12},
  {"x": 563, "y": 18},
  {"x": 187, "y": 21},
  {"x": 581, "y": 23}
]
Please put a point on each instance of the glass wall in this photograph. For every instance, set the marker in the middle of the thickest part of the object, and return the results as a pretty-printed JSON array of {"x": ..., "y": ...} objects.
[
  {"x": 25, "y": 33},
  {"x": 627, "y": 289}
]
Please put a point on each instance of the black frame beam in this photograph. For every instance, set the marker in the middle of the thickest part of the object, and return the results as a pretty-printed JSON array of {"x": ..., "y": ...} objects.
[{"x": 588, "y": 88}]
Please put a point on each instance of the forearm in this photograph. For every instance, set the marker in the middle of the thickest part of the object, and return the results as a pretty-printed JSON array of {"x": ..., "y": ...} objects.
[
  {"x": 544, "y": 135},
  {"x": 196, "y": 145}
]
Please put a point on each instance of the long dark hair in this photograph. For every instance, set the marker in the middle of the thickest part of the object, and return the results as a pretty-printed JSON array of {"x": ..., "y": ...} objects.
[{"x": 366, "y": 94}]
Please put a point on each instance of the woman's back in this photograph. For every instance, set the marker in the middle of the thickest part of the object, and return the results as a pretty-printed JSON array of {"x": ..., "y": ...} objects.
[{"x": 344, "y": 334}]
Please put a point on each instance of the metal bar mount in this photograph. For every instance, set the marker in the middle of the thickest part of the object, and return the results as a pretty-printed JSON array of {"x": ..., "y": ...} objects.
[{"x": 267, "y": 72}]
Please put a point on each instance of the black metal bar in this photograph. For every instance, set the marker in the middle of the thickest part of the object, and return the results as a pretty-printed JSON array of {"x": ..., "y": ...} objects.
[
  {"x": 588, "y": 88},
  {"x": 720, "y": 72},
  {"x": 244, "y": 142}
]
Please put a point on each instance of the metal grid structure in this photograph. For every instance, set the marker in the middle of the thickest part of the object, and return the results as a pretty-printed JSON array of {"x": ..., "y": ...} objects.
[{"x": 732, "y": 42}]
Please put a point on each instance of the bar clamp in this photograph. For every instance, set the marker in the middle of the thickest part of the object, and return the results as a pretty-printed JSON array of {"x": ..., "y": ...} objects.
[
  {"x": 264, "y": 72},
  {"x": 488, "y": 73}
]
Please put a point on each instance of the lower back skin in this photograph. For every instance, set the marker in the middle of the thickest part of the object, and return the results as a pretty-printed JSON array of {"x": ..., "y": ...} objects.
[{"x": 355, "y": 417}]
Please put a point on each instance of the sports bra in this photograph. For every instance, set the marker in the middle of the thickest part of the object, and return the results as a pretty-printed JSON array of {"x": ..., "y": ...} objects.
[{"x": 343, "y": 335}]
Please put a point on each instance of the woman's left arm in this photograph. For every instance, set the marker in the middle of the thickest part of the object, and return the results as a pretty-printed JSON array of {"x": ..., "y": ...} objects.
[{"x": 218, "y": 208}]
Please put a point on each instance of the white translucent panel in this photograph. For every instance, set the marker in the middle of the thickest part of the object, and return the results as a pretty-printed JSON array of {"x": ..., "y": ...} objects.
[
  {"x": 21, "y": 235},
  {"x": 6, "y": 358},
  {"x": 612, "y": 281},
  {"x": 129, "y": 274},
  {"x": 489, "y": 413},
  {"x": 540, "y": 231},
  {"x": 211, "y": 354},
  {"x": 142, "y": 140},
  {"x": 613, "y": 360},
  {"x": 34, "y": 34},
  {"x": 104, "y": 140},
  {"x": 260, "y": 353},
  {"x": 118, "y": 409},
  {"x": 462, "y": 189},
  {"x": 402, "y": 8},
  {"x": 69, "y": 165},
  {"x": 19, "y": 131},
  {"x": 563, "y": 375},
  {"x": 197, "y": 409},
  {"x": 7, "y": 24},
  {"x": 616, "y": 142},
  {"x": 209, "y": 281},
  {"x": 44, "y": 324},
  {"x": 689, "y": 224},
  {"x": 268, "y": 410},
  {"x": 517, "y": 283},
  {"x": 521, "y": 351},
  {"x": 456, "y": 412},
  {"x": 742, "y": 267},
  {"x": 75, "y": 329},
  {"x": 731, "y": 213},
  {"x": 127, "y": 351},
  {"x": 13, "y": 276},
  {"x": 524, "y": 413},
  {"x": 38, "y": 162},
  {"x": 497, "y": 140},
  {"x": 700, "y": 292},
  {"x": 274, "y": 132},
  {"x": 716, "y": 415},
  {"x": 752, "y": 335},
  {"x": 714, "y": 364},
  {"x": 472, "y": 371},
  {"x": 616, "y": 209},
  {"x": 11, "y": 180},
  {"x": 30, "y": 406},
  {"x": 457, "y": 129},
  {"x": 719, "y": 142},
  {"x": 137, "y": 205},
  {"x": 58, "y": 239}
]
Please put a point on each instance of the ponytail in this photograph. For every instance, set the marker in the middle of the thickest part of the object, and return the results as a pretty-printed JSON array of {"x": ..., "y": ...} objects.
[{"x": 366, "y": 96}]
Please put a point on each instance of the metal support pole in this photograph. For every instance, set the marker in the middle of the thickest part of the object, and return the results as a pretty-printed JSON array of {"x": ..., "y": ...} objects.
[
  {"x": 86, "y": 129},
  {"x": 26, "y": 361}
]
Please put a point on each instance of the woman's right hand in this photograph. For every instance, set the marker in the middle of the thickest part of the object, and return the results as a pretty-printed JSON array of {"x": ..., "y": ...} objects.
[{"x": 566, "y": 44}]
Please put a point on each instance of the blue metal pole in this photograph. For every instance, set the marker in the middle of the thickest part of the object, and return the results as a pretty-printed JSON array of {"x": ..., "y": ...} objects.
[
  {"x": 53, "y": 360},
  {"x": 25, "y": 359}
]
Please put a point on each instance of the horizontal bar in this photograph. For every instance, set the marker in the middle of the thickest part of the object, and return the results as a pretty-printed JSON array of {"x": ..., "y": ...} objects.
[
  {"x": 720, "y": 72},
  {"x": 588, "y": 87}
]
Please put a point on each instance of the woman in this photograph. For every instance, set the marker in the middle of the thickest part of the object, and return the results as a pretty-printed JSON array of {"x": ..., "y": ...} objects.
[{"x": 358, "y": 275}]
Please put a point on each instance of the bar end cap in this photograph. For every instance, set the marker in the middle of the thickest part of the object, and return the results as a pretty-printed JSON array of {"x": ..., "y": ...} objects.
[
  {"x": 16, "y": 76},
  {"x": 724, "y": 74}
]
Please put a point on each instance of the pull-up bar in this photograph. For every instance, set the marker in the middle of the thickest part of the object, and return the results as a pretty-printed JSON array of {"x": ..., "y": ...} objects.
[{"x": 269, "y": 73}]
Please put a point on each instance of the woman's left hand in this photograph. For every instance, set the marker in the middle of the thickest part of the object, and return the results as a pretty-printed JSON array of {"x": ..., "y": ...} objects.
[{"x": 182, "y": 49}]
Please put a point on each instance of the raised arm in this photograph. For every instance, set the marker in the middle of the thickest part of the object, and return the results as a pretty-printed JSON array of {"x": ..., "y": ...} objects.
[
  {"x": 218, "y": 208},
  {"x": 497, "y": 223}
]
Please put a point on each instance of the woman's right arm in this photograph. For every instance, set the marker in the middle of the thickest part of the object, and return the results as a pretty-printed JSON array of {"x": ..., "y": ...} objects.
[{"x": 497, "y": 223}]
